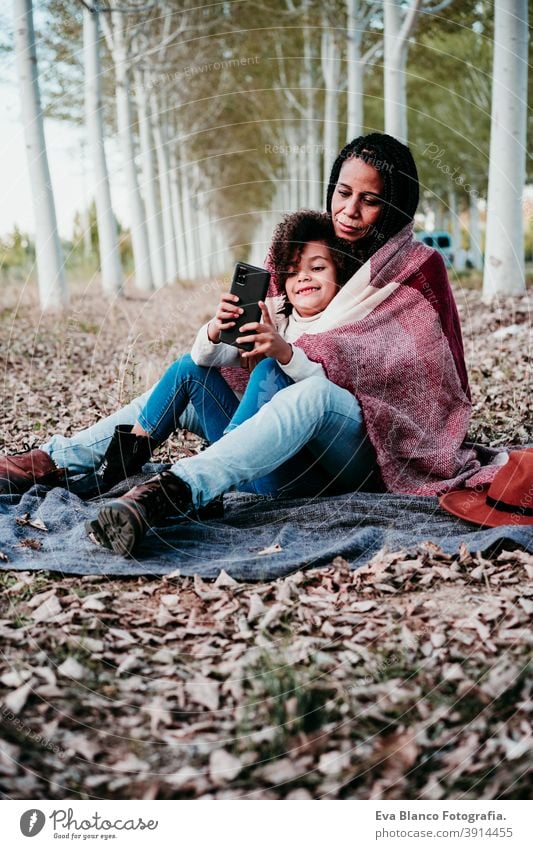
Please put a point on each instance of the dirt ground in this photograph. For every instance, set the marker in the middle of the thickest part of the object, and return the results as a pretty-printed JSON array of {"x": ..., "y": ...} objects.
[{"x": 405, "y": 679}]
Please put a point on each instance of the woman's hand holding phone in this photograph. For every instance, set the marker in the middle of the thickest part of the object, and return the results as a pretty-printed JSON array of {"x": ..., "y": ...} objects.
[
  {"x": 225, "y": 317},
  {"x": 267, "y": 341}
]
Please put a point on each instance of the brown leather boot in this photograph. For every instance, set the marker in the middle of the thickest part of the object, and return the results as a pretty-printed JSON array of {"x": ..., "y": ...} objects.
[
  {"x": 19, "y": 472},
  {"x": 123, "y": 523}
]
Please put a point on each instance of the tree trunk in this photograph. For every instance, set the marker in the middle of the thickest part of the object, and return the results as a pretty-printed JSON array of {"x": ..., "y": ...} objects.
[
  {"x": 314, "y": 147},
  {"x": 331, "y": 72},
  {"x": 455, "y": 230},
  {"x": 163, "y": 165},
  {"x": 202, "y": 232},
  {"x": 355, "y": 77},
  {"x": 394, "y": 73},
  {"x": 303, "y": 178},
  {"x": 398, "y": 27},
  {"x": 177, "y": 212},
  {"x": 106, "y": 224},
  {"x": 188, "y": 220},
  {"x": 139, "y": 236},
  {"x": 52, "y": 285},
  {"x": 151, "y": 200},
  {"x": 504, "y": 243},
  {"x": 474, "y": 251},
  {"x": 291, "y": 167}
]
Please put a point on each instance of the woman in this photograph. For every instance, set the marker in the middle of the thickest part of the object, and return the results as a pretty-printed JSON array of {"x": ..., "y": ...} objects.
[{"x": 391, "y": 349}]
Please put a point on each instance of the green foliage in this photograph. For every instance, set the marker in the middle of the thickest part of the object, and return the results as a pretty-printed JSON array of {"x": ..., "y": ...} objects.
[
  {"x": 222, "y": 84},
  {"x": 17, "y": 253}
]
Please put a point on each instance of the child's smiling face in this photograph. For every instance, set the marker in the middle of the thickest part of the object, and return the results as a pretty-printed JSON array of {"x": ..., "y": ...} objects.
[{"x": 311, "y": 283}]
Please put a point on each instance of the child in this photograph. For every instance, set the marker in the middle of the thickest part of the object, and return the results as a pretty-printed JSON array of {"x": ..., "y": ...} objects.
[{"x": 311, "y": 270}]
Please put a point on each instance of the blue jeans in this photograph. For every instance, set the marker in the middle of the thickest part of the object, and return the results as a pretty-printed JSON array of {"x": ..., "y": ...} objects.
[
  {"x": 187, "y": 396},
  {"x": 308, "y": 440},
  {"x": 85, "y": 451},
  {"x": 186, "y": 383},
  {"x": 266, "y": 379}
]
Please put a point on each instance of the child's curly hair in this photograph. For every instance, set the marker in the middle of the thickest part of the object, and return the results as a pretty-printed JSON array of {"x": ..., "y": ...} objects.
[{"x": 293, "y": 233}]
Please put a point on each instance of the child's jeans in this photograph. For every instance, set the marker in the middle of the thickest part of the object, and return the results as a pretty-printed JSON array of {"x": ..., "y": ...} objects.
[
  {"x": 187, "y": 396},
  {"x": 266, "y": 379},
  {"x": 308, "y": 440}
]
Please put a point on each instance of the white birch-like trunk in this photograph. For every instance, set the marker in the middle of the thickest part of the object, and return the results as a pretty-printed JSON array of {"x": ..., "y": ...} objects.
[
  {"x": 504, "y": 271},
  {"x": 149, "y": 188},
  {"x": 163, "y": 166},
  {"x": 110, "y": 265},
  {"x": 398, "y": 27},
  {"x": 455, "y": 229},
  {"x": 188, "y": 220},
  {"x": 474, "y": 251},
  {"x": 331, "y": 63},
  {"x": 394, "y": 72},
  {"x": 139, "y": 235},
  {"x": 356, "y": 71},
  {"x": 51, "y": 279},
  {"x": 177, "y": 212},
  {"x": 291, "y": 167},
  {"x": 85, "y": 223},
  {"x": 303, "y": 178},
  {"x": 202, "y": 231},
  {"x": 314, "y": 146}
]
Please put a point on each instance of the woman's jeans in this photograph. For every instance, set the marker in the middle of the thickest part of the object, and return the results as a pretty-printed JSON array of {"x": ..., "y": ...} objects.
[{"x": 309, "y": 439}]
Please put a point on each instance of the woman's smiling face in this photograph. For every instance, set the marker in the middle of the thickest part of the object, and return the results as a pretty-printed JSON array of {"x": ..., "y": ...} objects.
[
  {"x": 311, "y": 282},
  {"x": 357, "y": 200}
]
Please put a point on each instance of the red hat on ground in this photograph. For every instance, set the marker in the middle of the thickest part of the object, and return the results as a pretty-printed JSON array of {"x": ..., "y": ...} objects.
[{"x": 508, "y": 500}]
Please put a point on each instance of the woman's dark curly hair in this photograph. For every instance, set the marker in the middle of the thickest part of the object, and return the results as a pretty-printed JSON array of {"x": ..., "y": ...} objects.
[
  {"x": 396, "y": 165},
  {"x": 294, "y": 232}
]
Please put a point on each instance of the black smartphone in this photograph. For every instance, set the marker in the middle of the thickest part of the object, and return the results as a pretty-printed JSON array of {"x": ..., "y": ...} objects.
[{"x": 250, "y": 284}]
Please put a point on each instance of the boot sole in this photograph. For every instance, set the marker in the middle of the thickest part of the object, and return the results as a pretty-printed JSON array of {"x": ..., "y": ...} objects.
[{"x": 119, "y": 526}]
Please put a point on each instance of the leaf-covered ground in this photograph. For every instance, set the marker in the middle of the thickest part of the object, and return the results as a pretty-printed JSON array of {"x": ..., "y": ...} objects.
[{"x": 405, "y": 679}]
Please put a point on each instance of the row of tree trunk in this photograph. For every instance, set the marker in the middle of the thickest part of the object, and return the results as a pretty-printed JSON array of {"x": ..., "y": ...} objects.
[{"x": 171, "y": 223}]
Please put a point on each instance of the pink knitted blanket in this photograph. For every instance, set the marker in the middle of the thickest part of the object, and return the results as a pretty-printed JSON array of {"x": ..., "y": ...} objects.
[{"x": 392, "y": 337}]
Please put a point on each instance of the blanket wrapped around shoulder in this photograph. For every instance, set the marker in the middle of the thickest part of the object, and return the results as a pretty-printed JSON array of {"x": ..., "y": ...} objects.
[{"x": 392, "y": 337}]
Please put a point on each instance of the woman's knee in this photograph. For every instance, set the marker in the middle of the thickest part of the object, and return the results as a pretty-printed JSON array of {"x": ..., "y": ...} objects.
[{"x": 316, "y": 388}]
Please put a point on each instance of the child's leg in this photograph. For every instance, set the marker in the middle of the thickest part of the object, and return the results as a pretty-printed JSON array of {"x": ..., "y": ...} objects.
[
  {"x": 85, "y": 451},
  {"x": 266, "y": 379},
  {"x": 213, "y": 399}
]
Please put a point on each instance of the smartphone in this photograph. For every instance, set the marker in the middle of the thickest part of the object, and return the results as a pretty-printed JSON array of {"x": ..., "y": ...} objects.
[{"x": 250, "y": 284}]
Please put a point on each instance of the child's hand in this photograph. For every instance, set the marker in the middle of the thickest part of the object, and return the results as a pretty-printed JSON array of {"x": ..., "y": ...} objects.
[
  {"x": 266, "y": 339},
  {"x": 225, "y": 317}
]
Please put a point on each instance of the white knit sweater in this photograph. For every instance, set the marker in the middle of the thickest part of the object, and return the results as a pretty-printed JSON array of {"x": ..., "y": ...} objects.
[{"x": 207, "y": 353}]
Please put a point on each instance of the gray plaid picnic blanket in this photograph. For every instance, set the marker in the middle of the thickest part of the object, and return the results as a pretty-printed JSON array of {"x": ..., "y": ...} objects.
[{"x": 257, "y": 539}]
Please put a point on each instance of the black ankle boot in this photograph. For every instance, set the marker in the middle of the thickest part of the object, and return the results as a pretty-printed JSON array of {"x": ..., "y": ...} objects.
[
  {"x": 123, "y": 523},
  {"x": 125, "y": 456}
]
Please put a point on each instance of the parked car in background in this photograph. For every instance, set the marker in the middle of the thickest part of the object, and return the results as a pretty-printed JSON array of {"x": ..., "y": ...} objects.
[{"x": 441, "y": 241}]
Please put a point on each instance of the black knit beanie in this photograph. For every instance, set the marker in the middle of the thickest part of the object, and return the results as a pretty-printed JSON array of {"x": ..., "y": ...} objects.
[{"x": 396, "y": 165}]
